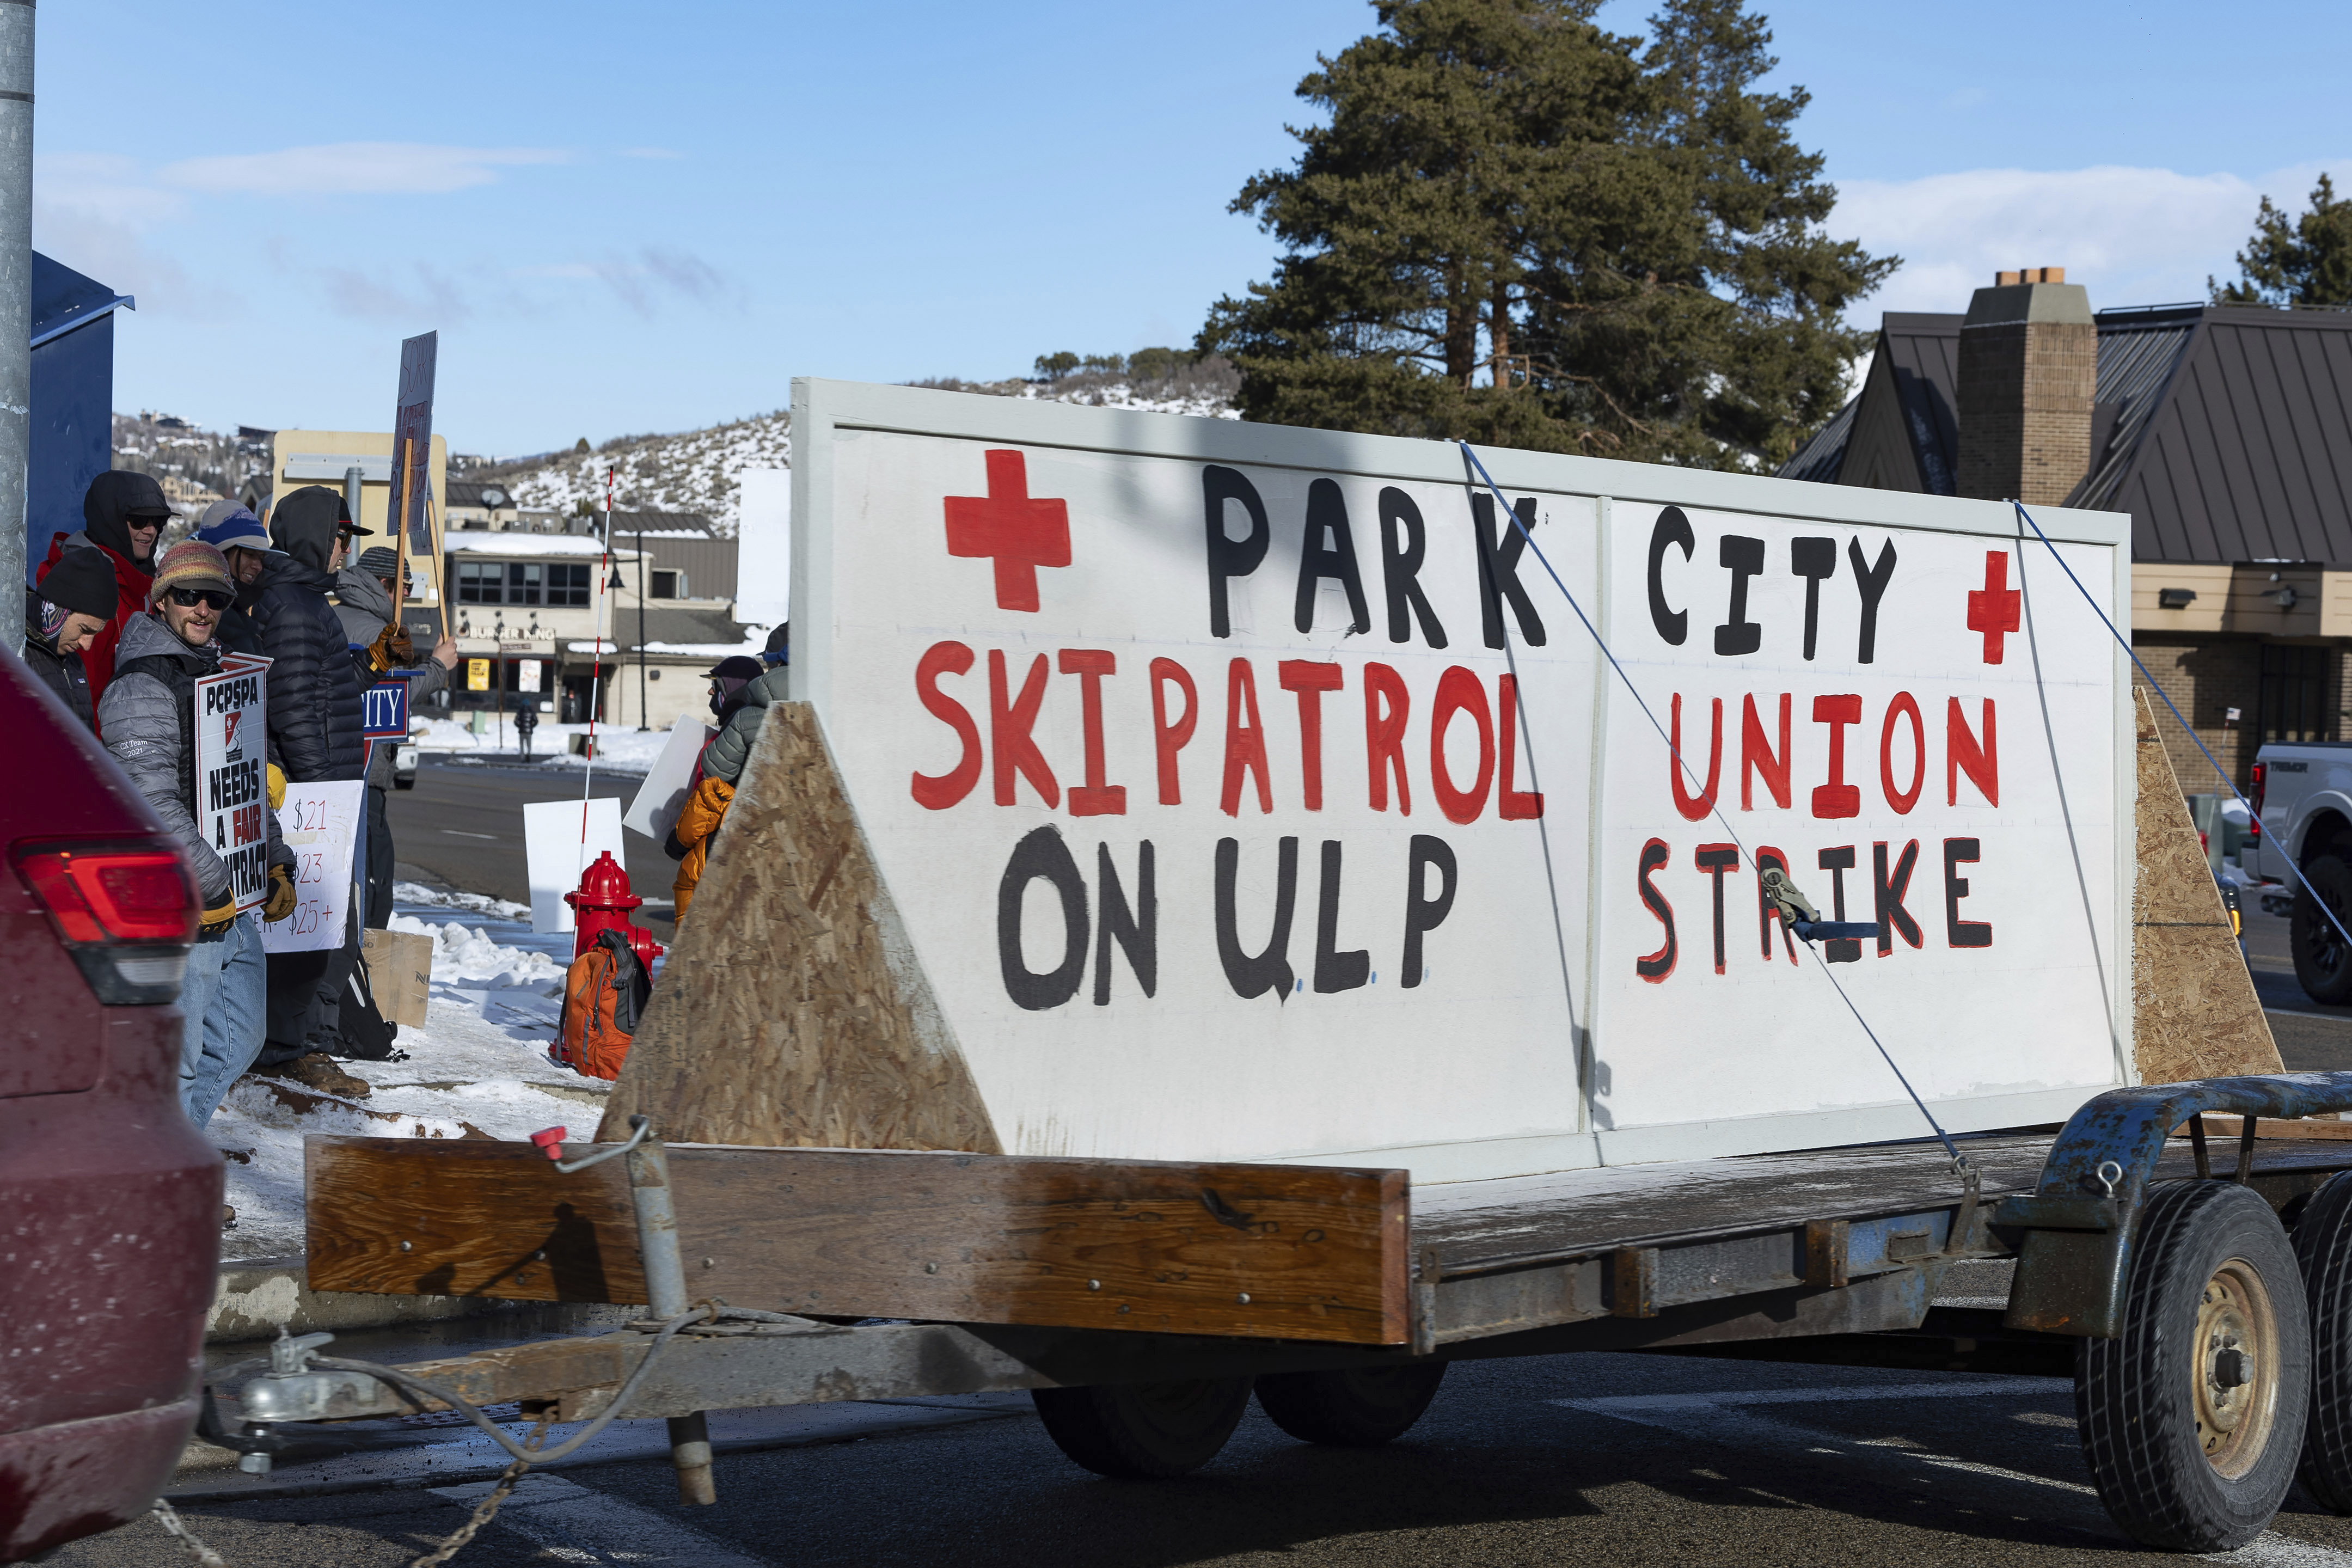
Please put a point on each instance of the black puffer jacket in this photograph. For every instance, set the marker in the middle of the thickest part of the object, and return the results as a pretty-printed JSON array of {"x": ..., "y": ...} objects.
[{"x": 315, "y": 722}]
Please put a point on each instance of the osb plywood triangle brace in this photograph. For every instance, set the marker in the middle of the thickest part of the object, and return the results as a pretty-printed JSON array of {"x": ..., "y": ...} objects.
[
  {"x": 2194, "y": 1011},
  {"x": 793, "y": 1011}
]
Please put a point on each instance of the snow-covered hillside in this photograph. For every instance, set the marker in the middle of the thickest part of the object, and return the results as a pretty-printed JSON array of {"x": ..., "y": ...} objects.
[{"x": 695, "y": 471}]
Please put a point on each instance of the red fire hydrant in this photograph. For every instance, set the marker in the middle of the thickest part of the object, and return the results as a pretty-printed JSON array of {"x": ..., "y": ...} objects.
[{"x": 602, "y": 902}]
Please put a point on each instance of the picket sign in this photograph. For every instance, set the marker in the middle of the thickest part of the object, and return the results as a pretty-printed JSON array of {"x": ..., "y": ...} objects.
[
  {"x": 1252, "y": 792},
  {"x": 232, "y": 707},
  {"x": 323, "y": 823},
  {"x": 562, "y": 838},
  {"x": 384, "y": 713},
  {"x": 654, "y": 810}
]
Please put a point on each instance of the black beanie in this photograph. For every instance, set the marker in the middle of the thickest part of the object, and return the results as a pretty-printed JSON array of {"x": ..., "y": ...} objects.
[{"x": 83, "y": 579}]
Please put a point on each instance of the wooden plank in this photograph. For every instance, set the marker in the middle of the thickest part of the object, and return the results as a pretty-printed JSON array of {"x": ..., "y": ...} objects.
[
  {"x": 2220, "y": 1125},
  {"x": 2194, "y": 1011},
  {"x": 1286, "y": 1251},
  {"x": 793, "y": 1010}
]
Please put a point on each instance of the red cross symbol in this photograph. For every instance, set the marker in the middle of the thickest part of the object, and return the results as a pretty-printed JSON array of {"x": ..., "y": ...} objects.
[
  {"x": 1019, "y": 533},
  {"x": 1994, "y": 610}
]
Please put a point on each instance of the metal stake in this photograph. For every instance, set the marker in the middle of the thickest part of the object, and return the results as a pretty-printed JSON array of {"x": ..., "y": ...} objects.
[{"x": 689, "y": 1436}]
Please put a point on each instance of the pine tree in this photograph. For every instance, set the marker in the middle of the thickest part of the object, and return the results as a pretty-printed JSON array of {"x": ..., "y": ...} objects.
[
  {"x": 2303, "y": 260},
  {"x": 1520, "y": 229}
]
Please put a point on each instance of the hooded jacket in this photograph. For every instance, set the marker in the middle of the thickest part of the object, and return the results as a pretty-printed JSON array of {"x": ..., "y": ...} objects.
[
  {"x": 365, "y": 610},
  {"x": 105, "y": 508},
  {"x": 148, "y": 723},
  {"x": 62, "y": 673},
  {"x": 725, "y": 756},
  {"x": 315, "y": 715}
]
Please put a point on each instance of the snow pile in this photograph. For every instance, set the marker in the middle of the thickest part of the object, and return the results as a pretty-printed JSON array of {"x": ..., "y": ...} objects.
[
  {"x": 620, "y": 750},
  {"x": 476, "y": 1069}
]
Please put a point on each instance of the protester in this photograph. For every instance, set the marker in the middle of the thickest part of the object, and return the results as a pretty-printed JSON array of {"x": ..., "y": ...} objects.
[
  {"x": 238, "y": 535},
  {"x": 373, "y": 628},
  {"x": 123, "y": 513},
  {"x": 731, "y": 748},
  {"x": 315, "y": 735},
  {"x": 73, "y": 604},
  {"x": 708, "y": 797},
  {"x": 148, "y": 718}
]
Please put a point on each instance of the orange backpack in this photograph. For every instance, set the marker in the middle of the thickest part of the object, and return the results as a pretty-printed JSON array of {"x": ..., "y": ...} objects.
[{"x": 605, "y": 995}]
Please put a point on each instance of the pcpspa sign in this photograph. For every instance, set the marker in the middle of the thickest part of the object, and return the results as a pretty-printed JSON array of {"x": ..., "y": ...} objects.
[
  {"x": 232, "y": 784},
  {"x": 1257, "y": 792}
]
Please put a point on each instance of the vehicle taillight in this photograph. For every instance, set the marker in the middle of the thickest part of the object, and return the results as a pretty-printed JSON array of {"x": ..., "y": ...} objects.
[
  {"x": 2255, "y": 801},
  {"x": 126, "y": 910}
]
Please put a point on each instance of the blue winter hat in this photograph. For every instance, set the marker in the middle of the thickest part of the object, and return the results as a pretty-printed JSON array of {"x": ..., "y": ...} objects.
[{"x": 239, "y": 530}]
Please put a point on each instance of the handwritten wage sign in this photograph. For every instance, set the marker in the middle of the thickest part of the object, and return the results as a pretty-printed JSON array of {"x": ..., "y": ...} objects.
[{"x": 1257, "y": 792}]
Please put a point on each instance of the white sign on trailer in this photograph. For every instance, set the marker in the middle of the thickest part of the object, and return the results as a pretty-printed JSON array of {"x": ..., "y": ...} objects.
[{"x": 1256, "y": 793}]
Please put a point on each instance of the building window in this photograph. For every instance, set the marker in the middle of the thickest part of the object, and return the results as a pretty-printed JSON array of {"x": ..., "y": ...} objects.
[
  {"x": 567, "y": 584},
  {"x": 523, "y": 581},
  {"x": 2295, "y": 696},
  {"x": 669, "y": 584},
  {"x": 479, "y": 581}
]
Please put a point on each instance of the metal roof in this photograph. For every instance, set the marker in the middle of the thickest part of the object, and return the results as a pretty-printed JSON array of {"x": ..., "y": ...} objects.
[
  {"x": 2225, "y": 431},
  {"x": 1820, "y": 459}
]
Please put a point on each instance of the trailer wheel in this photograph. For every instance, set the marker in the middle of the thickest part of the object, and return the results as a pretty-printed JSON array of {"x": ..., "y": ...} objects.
[
  {"x": 1355, "y": 1408},
  {"x": 2322, "y": 1245},
  {"x": 2323, "y": 964},
  {"x": 2192, "y": 1418},
  {"x": 1144, "y": 1431}
]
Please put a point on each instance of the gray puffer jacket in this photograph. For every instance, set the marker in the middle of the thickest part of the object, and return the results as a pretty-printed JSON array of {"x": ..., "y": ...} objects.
[
  {"x": 731, "y": 748},
  {"x": 147, "y": 723},
  {"x": 365, "y": 610}
]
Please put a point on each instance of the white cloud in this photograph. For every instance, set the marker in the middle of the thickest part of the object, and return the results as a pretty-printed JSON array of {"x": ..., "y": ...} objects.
[
  {"x": 352, "y": 168},
  {"x": 2134, "y": 237},
  {"x": 642, "y": 281}
]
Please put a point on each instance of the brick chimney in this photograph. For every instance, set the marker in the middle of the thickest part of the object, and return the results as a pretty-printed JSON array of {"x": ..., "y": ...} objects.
[{"x": 2029, "y": 371}]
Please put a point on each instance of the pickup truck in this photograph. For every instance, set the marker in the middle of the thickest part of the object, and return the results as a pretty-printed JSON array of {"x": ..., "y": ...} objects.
[{"x": 2302, "y": 797}]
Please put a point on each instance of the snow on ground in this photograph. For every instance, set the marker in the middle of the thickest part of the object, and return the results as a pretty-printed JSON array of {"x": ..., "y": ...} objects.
[
  {"x": 478, "y": 1066},
  {"x": 620, "y": 750}
]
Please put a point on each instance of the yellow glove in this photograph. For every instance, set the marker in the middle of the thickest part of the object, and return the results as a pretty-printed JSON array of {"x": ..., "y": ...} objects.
[
  {"x": 219, "y": 915},
  {"x": 391, "y": 650},
  {"x": 281, "y": 899},
  {"x": 277, "y": 786}
]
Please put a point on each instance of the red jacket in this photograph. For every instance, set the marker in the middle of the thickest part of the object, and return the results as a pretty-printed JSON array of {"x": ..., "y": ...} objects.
[{"x": 130, "y": 589}]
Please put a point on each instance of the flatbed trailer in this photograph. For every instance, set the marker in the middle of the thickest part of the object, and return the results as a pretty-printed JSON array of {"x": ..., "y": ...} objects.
[
  {"x": 2051, "y": 1257},
  {"x": 1473, "y": 1012}
]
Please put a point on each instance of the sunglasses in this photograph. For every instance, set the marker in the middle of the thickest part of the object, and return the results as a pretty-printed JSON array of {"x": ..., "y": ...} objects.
[{"x": 189, "y": 598}]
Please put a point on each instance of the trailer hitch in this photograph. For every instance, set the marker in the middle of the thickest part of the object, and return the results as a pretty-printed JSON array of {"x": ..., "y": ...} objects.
[{"x": 2082, "y": 1217}]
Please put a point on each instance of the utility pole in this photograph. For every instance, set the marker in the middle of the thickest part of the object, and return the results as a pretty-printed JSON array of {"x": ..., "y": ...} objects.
[
  {"x": 16, "y": 306},
  {"x": 644, "y": 718}
]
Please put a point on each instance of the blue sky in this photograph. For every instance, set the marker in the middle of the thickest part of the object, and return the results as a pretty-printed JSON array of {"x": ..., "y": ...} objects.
[{"x": 624, "y": 218}]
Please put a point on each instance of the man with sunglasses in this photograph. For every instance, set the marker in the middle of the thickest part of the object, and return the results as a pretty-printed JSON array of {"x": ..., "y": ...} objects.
[
  {"x": 123, "y": 514},
  {"x": 147, "y": 718}
]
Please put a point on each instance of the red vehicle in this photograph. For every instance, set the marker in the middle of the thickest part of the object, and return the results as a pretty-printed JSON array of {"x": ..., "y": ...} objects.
[{"x": 110, "y": 1200}]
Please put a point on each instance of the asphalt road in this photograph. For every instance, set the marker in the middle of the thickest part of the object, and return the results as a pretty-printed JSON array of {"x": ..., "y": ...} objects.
[
  {"x": 462, "y": 827},
  {"x": 1613, "y": 1459}
]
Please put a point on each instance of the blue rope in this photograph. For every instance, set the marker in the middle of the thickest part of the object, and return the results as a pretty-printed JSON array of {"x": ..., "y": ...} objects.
[
  {"x": 1958, "y": 1161},
  {"x": 2220, "y": 773}
]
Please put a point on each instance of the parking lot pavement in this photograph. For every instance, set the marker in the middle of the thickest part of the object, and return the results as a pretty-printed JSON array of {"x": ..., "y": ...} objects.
[{"x": 1614, "y": 1459}]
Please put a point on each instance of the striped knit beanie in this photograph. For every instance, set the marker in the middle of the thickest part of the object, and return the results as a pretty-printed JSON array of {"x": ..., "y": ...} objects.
[{"x": 191, "y": 564}]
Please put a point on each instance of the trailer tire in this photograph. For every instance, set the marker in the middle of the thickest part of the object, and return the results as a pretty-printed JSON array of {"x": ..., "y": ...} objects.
[
  {"x": 2184, "y": 1459},
  {"x": 2323, "y": 964},
  {"x": 1353, "y": 1408},
  {"x": 1144, "y": 1431},
  {"x": 2322, "y": 1245}
]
